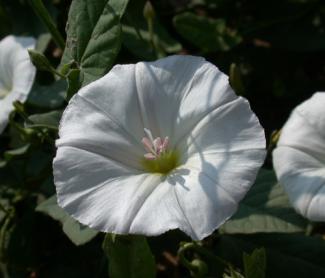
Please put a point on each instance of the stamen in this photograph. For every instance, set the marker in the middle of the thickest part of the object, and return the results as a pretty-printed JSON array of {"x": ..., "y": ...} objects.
[
  {"x": 165, "y": 143},
  {"x": 158, "y": 158},
  {"x": 149, "y": 134},
  {"x": 149, "y": 156},
  {"x": 157, "y": 144},
  {"x": 154, "y": 147},
  {"x": 147, "y": 144}
]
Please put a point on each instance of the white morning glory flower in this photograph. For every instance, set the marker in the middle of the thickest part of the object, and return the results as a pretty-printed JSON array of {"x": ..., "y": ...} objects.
[
  {"x": 157, "y": 146},
  {"x": 299, "y": 159},
  {"x": 17, "y": 74}
]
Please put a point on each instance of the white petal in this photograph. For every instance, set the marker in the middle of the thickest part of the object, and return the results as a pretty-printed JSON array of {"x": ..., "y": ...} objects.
[
  {"x": 17, "y": 73},
  {"x": 161, "y": 87},
  {"x": 105, "y": 195},
  {"x": 182, "y": 97},
  {"x": 115, "y": 94},
  {"x": 228, "y": 128},
  {"x": 104, "y": 118},
  {"x": 176, "y": 95},
  {"x": 209, "y": 91},
  {"x": 200, "y": 196},
  {"x": 124, "y": 102},
  {"x": 87, "y": 127},
  {"x": 161, "y": 210},
  {"x": 303, "y": 177},
  {"x": 312, "y": 111},
  {"x": 299, "y": 159},
  {"x": 214, "y": 186},
  {"x": 197, "y": 198},
  {"x": 305, "y": 129}
]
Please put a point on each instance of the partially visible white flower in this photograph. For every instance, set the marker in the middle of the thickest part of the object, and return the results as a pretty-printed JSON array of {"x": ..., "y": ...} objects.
[
  {"x": 299, "y": 158},
  {"x": 17, "y": 74},
  {"x": 157, "y": 146}
]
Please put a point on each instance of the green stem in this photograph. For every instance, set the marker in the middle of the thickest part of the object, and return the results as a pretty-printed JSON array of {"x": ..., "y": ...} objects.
[
  {"x": 45, "y": 17},
  {"x": 58, "y": 73}
]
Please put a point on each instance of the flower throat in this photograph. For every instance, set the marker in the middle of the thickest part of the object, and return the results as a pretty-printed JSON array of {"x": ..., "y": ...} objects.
[{"x": 159, "y": 158}]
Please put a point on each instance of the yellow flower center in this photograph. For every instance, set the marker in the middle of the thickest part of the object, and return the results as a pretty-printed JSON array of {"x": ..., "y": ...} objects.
[
  {"x": 163, "y": 164},
  {"x": 158, "y": 158}
]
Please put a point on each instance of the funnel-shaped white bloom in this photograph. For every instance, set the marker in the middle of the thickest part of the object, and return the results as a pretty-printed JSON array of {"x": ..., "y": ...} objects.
[
  {"x": 16, "y": 74},
  {"x": 299, "y": 159},
  {"x": 157, "y": 146}
]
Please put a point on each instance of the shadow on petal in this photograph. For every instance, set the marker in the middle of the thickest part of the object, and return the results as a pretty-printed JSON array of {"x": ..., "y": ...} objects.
[{"x": 176, "y": 177}]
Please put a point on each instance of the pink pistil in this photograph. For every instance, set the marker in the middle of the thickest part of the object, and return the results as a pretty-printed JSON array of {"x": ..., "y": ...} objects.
[{"x": 155, "y": 147}]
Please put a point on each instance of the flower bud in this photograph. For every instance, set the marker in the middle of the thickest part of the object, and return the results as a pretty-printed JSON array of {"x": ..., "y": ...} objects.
[
  {"x": 201, "y": 267},
  {"x": 148, "y": 11}
]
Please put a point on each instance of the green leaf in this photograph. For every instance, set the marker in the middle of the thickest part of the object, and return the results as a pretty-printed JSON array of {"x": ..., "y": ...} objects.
[
  {"x": 49, "y": 120},
  {"x": 287, "y": 255},
  {"x": 93, "y": 38},
  {"x": 19, "y": 152},
  {"x": 255, "y": 264},
  {"x": 129, "y": 256},
  {"x": 215, "y": 37},
  {"x": 265, "y": 208},
  {"x": 48, "y": 97},
  {"x": 39, "y": 165},
  {"x": 40, "y": 61},
  {"x": 76, "y": 232},
  {"x": 119, "y": 6}
]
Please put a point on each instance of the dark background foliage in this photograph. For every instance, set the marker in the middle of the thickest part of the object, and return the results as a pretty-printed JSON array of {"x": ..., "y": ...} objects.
[{"x": 274, "y": 52}]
